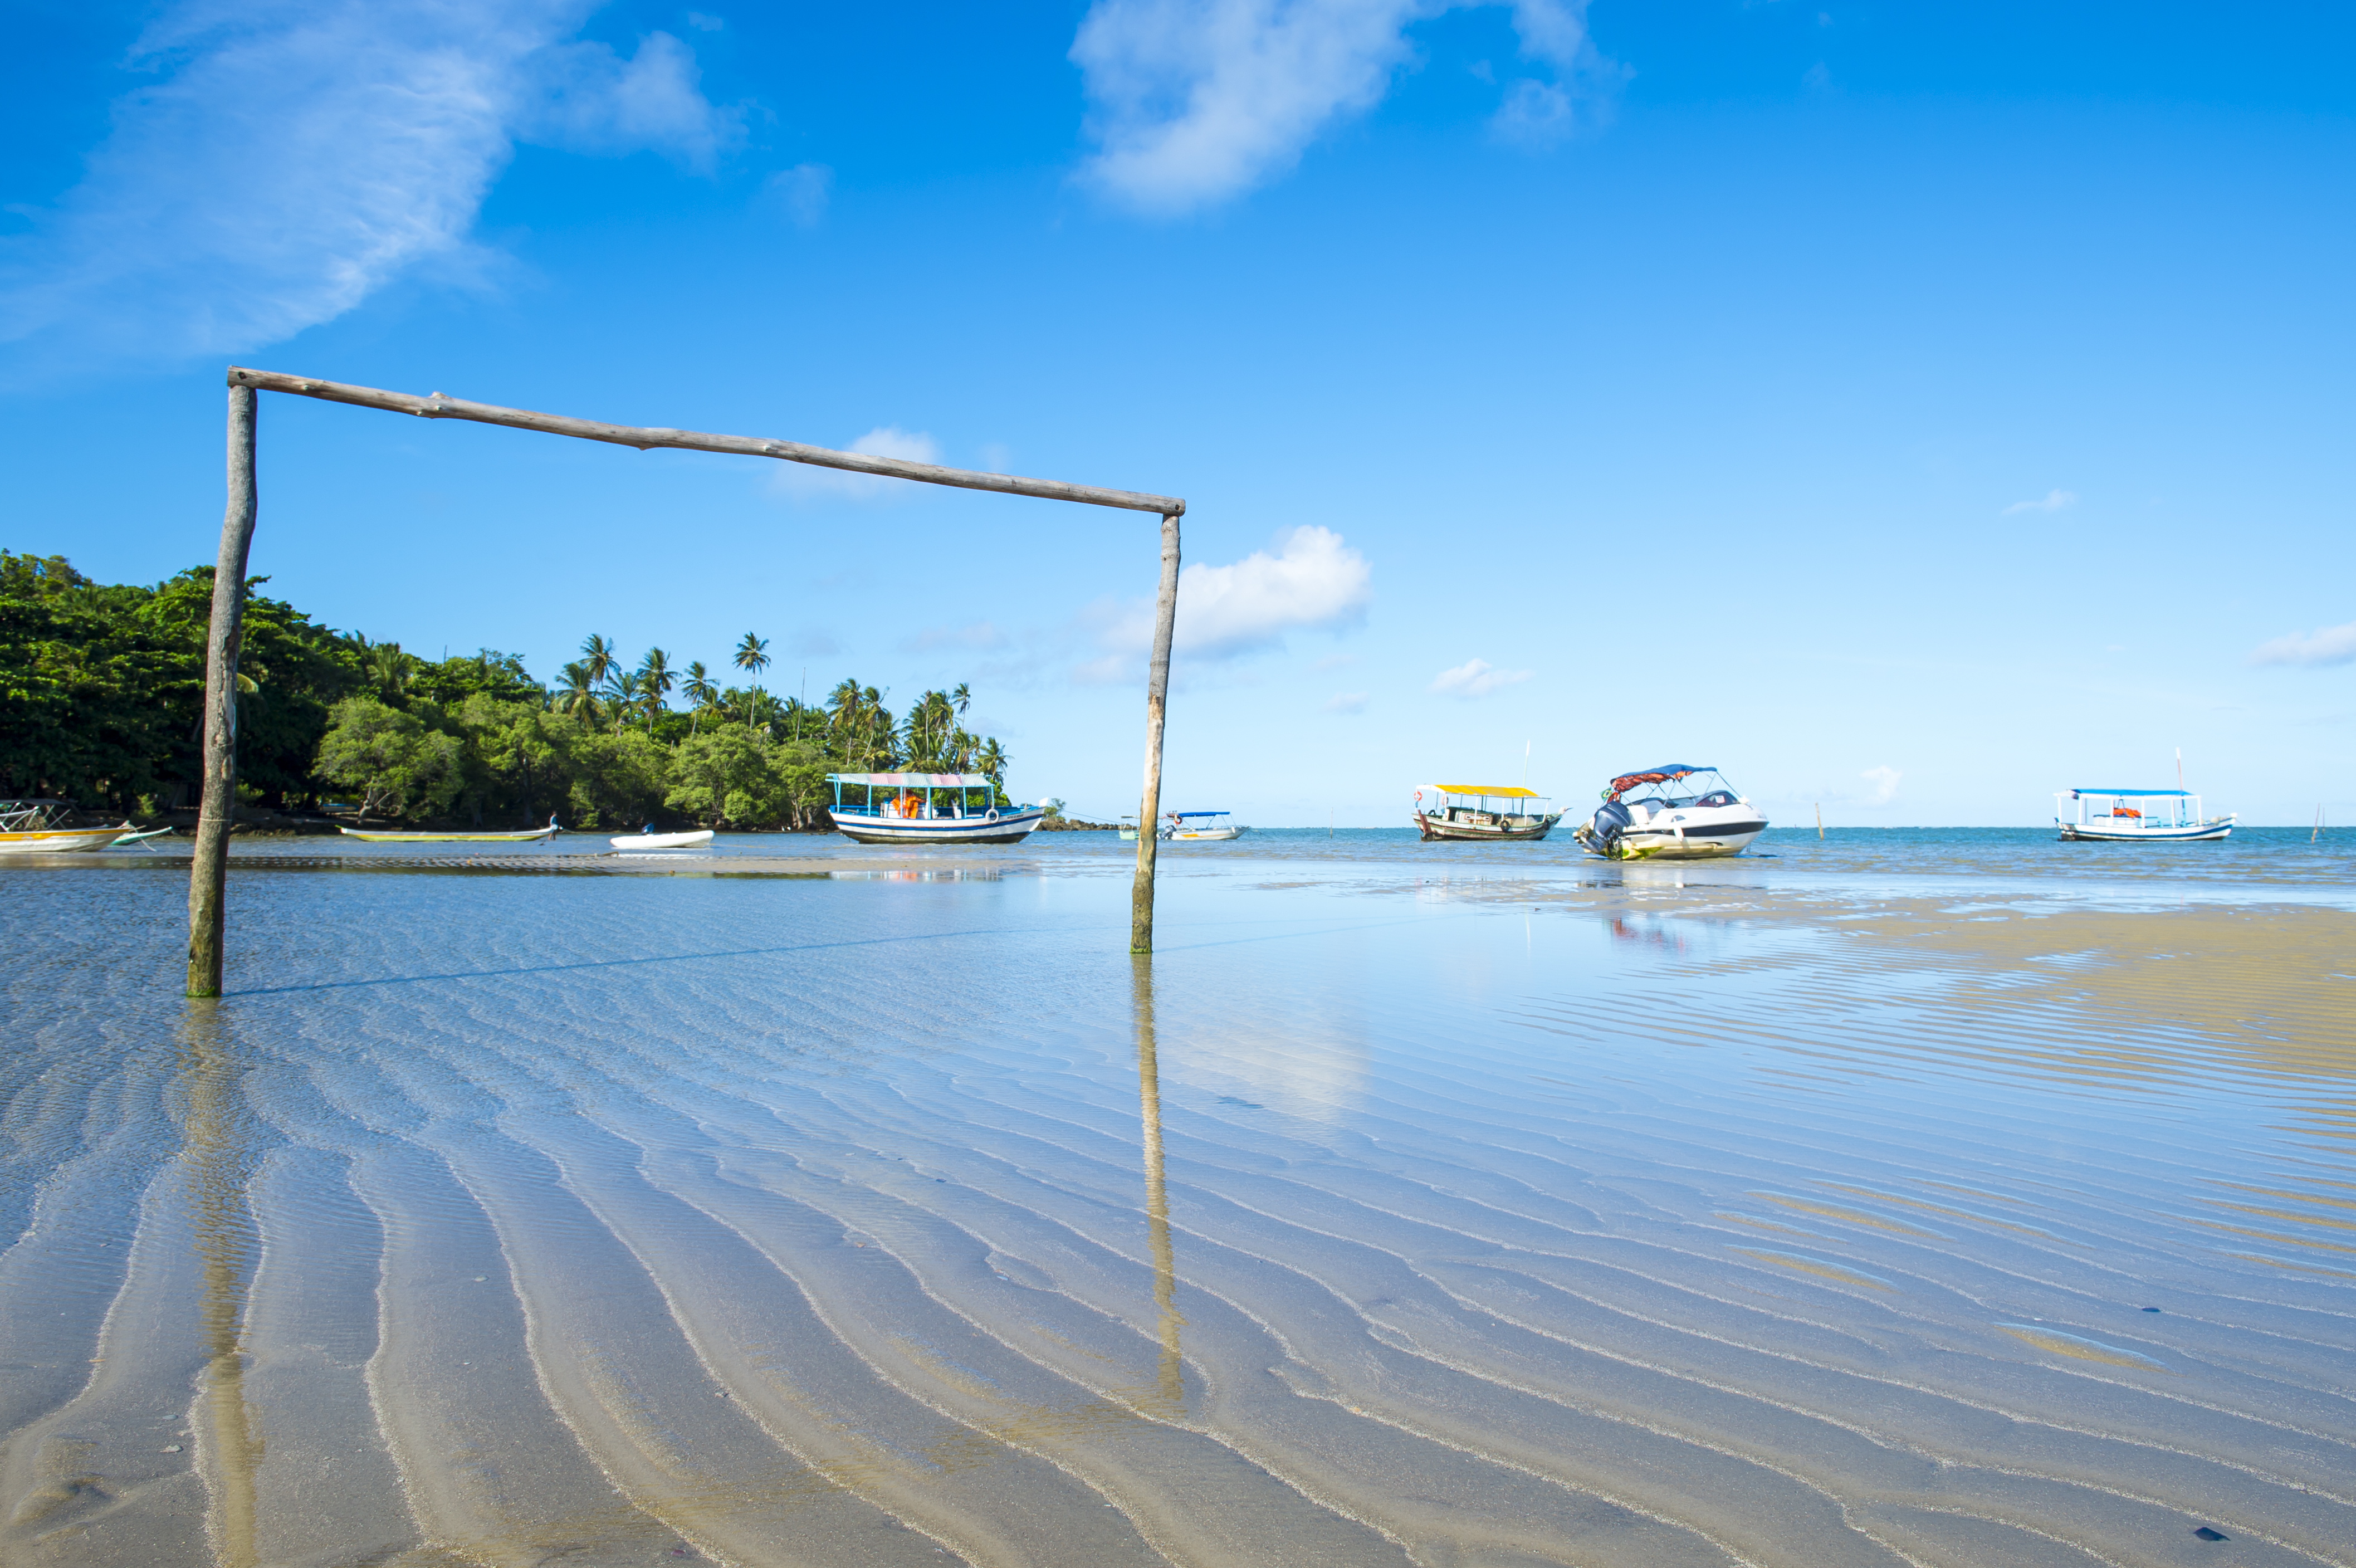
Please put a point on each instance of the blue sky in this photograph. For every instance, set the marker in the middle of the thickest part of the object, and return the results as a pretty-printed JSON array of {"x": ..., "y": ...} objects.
[{"x": 1917, "y": 409}]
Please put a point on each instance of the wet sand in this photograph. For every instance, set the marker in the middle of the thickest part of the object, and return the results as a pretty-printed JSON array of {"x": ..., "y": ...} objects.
[{"x": 858, "y": 1215}]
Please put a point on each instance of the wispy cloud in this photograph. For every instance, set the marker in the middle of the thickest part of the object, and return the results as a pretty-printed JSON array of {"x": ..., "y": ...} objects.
[
  {"x": 1346, "y": 703},
  {"x": 1477, "y": 678},
  {"x": 1192, "y": 101},
  {"x": 289, "y": 157},
  {"x": 2332, "y": 645},
  {"x": 2052, "y": 501},
  {"x": 1884, "y": 780},
  {"x": 800, "y": 481},
  {"x": 799, "y": 194}
]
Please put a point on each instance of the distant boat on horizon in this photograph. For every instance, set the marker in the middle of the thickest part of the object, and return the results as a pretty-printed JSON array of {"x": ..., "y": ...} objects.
[{"x": 2136, "y": 816}]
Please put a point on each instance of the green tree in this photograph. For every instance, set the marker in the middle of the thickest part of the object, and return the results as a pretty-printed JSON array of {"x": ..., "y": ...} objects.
[
  {"x": 618, "y": 779},
  {"x": 398, "y": 766},
  {"x": 727, "y": 776}
]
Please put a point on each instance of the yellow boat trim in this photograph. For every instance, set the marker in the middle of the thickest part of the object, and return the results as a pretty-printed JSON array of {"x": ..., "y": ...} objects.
[{"x": 1509, "y": 791}]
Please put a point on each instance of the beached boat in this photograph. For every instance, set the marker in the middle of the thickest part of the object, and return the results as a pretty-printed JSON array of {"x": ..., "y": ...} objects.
[
  {"x": 1482, "y": 811},
  {"x": 927, "y": 808},
  {"x": 2136, "y": 816},
  {"x": 1198, "y": 827},
  {"x": 650, "y": 839},
  {"x": 525, "y": 835},
  {"x": 35, "y": 827},
  {"x": 1675, "y": 812}
]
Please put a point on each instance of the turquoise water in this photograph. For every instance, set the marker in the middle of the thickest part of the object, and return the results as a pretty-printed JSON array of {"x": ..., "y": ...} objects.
[{"x": 1809, "y": 1211}]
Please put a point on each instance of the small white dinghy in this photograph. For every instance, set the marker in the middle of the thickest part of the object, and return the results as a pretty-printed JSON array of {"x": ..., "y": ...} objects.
[{"x": 662, "y": 840}]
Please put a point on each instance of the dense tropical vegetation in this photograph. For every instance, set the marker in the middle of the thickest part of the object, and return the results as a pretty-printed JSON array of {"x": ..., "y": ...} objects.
[{"x": 101, "y": 692}]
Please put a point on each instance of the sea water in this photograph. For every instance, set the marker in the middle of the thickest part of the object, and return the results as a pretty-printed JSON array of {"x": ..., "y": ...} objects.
[{"x": 1820, "y": 1208}]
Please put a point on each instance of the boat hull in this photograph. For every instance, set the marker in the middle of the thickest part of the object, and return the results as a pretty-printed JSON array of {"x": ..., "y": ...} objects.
[
  {"x": 2192, "y": 832},
  {"x": 995, "y": 827},
  {"x": 530, "y": 836},
  {"x": 1205, "y": 835},
  {"x": 1686, "y": 841},
  {"x": 62, "y": 841},
  {"x": 662, "y": 840},
  {"x": 1529, "y": 829}
]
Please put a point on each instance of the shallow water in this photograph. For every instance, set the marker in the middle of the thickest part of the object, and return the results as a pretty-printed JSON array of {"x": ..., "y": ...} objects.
[{"x": 1505, "y": 1211}]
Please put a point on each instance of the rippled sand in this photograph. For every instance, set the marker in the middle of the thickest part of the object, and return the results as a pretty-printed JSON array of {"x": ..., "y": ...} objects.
[{"x": 1385, "y": 1218}]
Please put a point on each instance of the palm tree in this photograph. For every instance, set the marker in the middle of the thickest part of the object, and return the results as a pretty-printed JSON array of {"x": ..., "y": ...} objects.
[
  {"x": 961, "y": 697},
  {"x": 993, "y": 761},
  {"x": 627, "y": 693},
  {"x": 578, "y": 695},
  {"x": 388, "y": 669},
  {"x": 597, "y": 655},
  {"x": 656, "y": 680},
  {"x": 753, "y": 655},
  {"x": 701, "y": 692}
]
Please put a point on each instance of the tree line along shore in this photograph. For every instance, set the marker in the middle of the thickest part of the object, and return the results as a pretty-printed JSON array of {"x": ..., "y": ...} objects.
[{"x": 104, "y": 688}]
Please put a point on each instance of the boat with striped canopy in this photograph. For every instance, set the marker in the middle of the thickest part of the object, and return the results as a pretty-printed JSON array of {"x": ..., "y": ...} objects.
[{"x": 927, "y": 808}]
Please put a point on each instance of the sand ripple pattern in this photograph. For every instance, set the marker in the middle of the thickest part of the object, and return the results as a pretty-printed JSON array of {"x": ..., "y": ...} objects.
[{"x": 619, "y": 1221}]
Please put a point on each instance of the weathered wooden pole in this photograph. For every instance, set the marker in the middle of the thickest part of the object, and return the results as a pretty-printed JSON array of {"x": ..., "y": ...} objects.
[
  {"x": 1157, "y": 703},
  {"x": 208, "y": 877}
]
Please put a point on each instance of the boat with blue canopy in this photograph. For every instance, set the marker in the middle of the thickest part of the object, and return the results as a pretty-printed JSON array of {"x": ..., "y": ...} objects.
[
  {"x": 1677, "y": 811},
  {"x": 927, "y": 808},
  {"x": 2136, "y": 816}
]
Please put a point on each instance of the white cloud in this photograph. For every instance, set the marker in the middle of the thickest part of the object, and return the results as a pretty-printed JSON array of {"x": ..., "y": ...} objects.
[
  {"x": 289, "y": 157},
  {"x": 2054, "y": 501},
  {"x": 1195, "y": 101},
  {"x": 2332, "y": 645},
  {"x": 799, "y": 193},
  {"x": 1346, "y": 703},
  {"x": 1313, "y": 580},
  {"x": 1477, "y": 678},
  {"x": 1884, "y": 780},
  {"x": 800, "y": 481}
]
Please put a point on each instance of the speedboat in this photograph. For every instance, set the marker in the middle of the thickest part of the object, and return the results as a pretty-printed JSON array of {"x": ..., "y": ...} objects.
[
  {"x": 1675, "y": 812},
  {"x": 927, "y": 808},
  {"x": 2136, "y": 816},
  {"x": 1482, "y": 811},
  {"x": 1198, "y": 827},
  {"x": 650, "y": 839},
  {"x": 37, "y": 827}
]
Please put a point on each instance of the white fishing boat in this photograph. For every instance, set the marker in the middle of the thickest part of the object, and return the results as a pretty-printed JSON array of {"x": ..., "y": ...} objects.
[
  {"x": 1675, "y": 812},
  {"x": 35, "y": 827},
  {"x": 2136, "y": 816},
  {"x": 524, "y": 835},
  {"x": 1482, "y": 811},
  {"x": 650, "y": 839},
  {"x": 927, "y": 808},
  {"x": 1198, "y": 827}
]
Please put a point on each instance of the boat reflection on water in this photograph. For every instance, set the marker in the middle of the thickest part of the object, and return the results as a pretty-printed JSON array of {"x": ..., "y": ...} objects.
[{"x": 1170, "y": 1383}]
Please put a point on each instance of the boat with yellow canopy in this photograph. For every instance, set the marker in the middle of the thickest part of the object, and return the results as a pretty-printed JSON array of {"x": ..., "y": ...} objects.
[{"x": 1482, "y": 811}]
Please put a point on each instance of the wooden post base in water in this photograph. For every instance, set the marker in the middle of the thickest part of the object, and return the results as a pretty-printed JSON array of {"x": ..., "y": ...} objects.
[
  {"x": 209, "y": 874},
  {"x": 1157, "y": 703}
]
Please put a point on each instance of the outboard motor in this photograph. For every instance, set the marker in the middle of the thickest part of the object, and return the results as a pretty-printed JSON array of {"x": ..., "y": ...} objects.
[{"x": 1604, "y": 828}]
